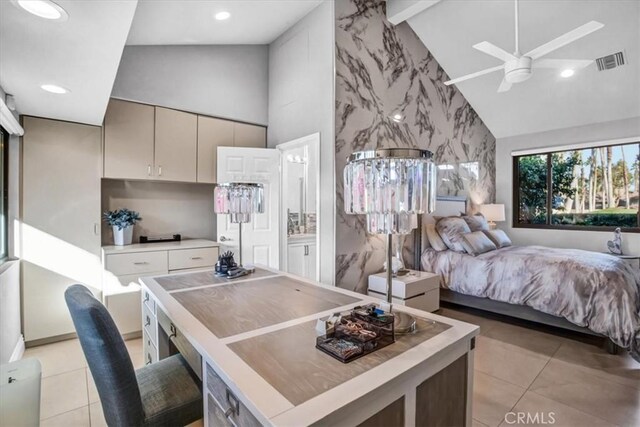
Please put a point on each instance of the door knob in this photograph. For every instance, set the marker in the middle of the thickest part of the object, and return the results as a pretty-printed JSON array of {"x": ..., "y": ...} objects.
[{"x": 224, "y": 239}]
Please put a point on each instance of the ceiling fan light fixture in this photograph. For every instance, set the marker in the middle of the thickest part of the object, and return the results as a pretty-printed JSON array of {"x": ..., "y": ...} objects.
[
  {"x": 518, "y": 70},
  {"x": 567, "y": 73}
]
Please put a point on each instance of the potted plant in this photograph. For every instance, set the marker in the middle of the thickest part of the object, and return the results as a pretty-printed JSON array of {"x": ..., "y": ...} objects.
[{"x": 122, "y": 222}]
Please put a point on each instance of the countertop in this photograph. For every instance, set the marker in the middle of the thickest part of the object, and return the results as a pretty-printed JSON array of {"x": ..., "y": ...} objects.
[
  {"x": 259, "y": 335},
  {"x": 150, "y": 247}
]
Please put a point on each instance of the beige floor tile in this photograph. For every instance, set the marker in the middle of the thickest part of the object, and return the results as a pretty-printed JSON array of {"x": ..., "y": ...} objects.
[
  {"x": 76, "y": 418},
  {"x": 91, "y": 388},
  {"x": 134, "y": 346},
  {"x": 484, "y": 323},
  {"x": 526, "y": 339},
  {"x": 493, "y": 398},
  {"x": 62, "y": 393},
  {"x": 56, "y": 358},
  {"x": 199, "y": 423},
  {"x": 138, "y": 360},
  {"x": 96, "y": 415},
  {"x": 508, "y": 362},
  {"x": 537, "y": 410},
  {"x": 619, "y": 368},
  {"x": 602, "y": 398}
]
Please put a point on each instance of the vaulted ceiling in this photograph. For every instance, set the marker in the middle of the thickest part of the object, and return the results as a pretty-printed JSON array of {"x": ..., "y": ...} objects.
[{"x": 546, "y": 101}]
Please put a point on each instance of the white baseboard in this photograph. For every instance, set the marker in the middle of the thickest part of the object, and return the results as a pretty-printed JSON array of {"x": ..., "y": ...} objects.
[{"x": 18, "y": 351}]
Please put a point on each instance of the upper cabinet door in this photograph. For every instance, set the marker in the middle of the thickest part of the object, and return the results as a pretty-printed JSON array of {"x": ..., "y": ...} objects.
[
  {"x": 212, "y": 133},
  {"x": 176, "y": 145},
  {"x": 249, "y": 136},
  {"x": 128, "y": 140}
]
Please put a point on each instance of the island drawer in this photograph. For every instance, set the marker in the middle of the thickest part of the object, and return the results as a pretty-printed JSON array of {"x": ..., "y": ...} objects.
[
  {"x": 216, "y": 415},
  {"x": 149, "y": 301},
  {"x": 149, "y": 324},
  {"x": 192, "y": 258},
  {"x": 239, "y": 414},
  {"x": 136, "y": 263},
  {"x": 183, "y": 345}
]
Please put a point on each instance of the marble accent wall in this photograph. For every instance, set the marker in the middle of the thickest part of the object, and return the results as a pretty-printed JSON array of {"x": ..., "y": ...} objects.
[{"x": 382, "y": 71}]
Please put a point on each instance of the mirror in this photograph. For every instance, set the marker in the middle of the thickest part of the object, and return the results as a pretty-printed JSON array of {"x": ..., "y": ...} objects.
[{"x": 299, "y": 206}]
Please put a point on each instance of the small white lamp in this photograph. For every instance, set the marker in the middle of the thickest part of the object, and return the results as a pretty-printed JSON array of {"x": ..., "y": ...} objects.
[{"x": 493, "y": 212}]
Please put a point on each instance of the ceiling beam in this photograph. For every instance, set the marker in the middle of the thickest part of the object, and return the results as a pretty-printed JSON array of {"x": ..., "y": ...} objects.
[{"x": 400, "y": 10}]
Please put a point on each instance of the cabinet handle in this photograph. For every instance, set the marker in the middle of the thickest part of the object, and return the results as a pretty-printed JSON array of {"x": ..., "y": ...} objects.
[
  {"x": 306, "y": 250},
  {"x": 148, "y": 359},
  {"x": 140, "y": 263},
  {"x": 149, "y": 170},
  {"x": 196, "y": 257},
  {"x": 146, "y": 297},
  {"x": 174, "y": 333},
  {"x": 160, "y": 170},
  {"x": 234, "y": 405},
  {"x": 148, "y": 322}
]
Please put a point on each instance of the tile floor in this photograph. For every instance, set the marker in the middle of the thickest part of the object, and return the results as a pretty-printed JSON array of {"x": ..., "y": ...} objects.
[{"x": 517, "y": 370}]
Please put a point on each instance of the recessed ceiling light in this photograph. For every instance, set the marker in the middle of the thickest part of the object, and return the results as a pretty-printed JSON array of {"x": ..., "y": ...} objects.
[
  {"x": 221, "y": 16},
  {"x": 54, "y": 89},
  {"x": 43, "y": 8},
  {"x": 567, "y": 73}
]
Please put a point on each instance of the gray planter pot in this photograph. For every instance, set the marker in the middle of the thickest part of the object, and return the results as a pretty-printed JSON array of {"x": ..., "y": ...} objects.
[{"x": 122, "y": 237}]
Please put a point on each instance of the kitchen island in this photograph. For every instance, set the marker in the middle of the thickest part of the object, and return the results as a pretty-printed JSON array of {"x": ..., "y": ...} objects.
[{"x": 252, "y": 342}]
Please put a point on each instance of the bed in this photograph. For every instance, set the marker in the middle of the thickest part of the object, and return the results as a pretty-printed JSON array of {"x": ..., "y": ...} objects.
[{"x": 584, "y": 291}]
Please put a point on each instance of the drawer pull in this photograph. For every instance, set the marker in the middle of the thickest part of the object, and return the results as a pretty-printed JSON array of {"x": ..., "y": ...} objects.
[
  {"x": 174, "y": 332},
  {"x": 196, "y": 257},
  {"x": 148, "y": 321},
  {"x": 148, "y": 359},
  {"x": 146, "y": 297},
  {"x": 234, "y": 405},
  {"x": 140, "y": 263}
]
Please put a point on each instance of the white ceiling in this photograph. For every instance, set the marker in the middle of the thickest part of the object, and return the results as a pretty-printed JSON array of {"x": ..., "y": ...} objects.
[
  {"x": 546, "y": 101},
  {"x": 81, "y": 54},
  {"x": 171, "y": 22}
]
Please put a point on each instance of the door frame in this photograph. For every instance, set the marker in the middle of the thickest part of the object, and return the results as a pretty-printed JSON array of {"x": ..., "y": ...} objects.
[{"x": 312, "y": 141}]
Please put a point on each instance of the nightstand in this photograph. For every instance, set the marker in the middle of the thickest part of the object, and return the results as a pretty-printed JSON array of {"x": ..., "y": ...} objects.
[{"x": 415, "y": 289}]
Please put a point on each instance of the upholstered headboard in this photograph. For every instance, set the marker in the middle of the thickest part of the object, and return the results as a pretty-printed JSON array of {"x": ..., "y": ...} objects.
[{"x": 445, "y": 206}]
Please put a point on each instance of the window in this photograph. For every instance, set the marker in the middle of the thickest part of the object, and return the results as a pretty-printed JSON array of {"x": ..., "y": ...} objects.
[
  {"x": 594, "y": 188},
  {"x": 4, "y": 150}
]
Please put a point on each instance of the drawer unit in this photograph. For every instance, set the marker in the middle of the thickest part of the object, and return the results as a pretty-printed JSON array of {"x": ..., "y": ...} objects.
[
  {"x": 150, "y": 354},
  {"x": 182, "y": 344},
  {"x": 215, "y": 415},
  {"x": 150, "y": 324},
  {"x": 148, "y": 301},
  {"x": 192, "y": 258},
  {"x": 136, "y": 263},
  {"x": 236, "y": 412}
]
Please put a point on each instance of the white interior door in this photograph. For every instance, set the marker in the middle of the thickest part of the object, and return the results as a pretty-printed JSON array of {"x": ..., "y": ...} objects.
[{"x": 260, "y": 237}]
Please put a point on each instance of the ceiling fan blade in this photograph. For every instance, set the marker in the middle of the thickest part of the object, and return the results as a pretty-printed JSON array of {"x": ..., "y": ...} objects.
[
  {"x": 565, "y": 39},
  {"x": 495, "y": 51},
  {"x": 504, "y": 86},
  {"x": 574, "y": 64},
  {"x": 472, "y": 75}
]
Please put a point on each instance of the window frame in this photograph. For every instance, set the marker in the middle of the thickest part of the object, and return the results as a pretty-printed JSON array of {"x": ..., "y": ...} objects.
[
  {"x": 4, "y": 245},
  {"x": 515, "y": 223}
]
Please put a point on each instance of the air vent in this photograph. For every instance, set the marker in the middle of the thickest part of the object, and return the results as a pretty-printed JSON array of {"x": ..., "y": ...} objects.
[{"x": 610, "y": 61}]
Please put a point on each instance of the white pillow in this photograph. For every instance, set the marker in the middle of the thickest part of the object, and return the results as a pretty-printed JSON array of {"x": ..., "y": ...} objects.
[
  {"x": 434, "y": 238},
  {"x": 498, "y": 237},
  {"x": 450, "y": 229}
]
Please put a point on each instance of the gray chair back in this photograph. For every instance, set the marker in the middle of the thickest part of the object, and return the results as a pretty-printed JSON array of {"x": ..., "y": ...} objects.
[{"x": 107, "y": 357}]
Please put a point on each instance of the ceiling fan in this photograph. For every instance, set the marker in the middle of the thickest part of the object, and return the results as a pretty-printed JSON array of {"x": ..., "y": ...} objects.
[{"x": 518, "y": 68}]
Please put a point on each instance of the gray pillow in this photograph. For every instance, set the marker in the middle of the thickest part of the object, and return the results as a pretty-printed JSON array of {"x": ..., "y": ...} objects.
[
  {"x": 498, "y": 237},
  {"x": 476, "y": 243},
  {"x": 450, "y": 229},
  {"x": 476, "y": 222},
  {"x": 434, "y": 238}
]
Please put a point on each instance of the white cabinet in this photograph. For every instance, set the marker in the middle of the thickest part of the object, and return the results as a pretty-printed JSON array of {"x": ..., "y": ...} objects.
[
  {"x": 416, "y": 289},
  {"x": 124, "y": 265},
  {"x": 301, "y": 257},
  {"x": 60, "y": 221}
]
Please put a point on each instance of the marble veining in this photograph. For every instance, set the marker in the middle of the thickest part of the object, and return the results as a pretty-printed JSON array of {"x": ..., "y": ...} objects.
[{"x": 382, "y": 71}]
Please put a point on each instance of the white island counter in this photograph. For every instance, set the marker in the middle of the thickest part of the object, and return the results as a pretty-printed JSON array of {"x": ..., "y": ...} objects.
[{"x": 252, "y": 342}]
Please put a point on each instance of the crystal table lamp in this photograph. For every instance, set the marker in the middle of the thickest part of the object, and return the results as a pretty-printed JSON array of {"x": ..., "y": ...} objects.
[
  {"x": 390, "y": 186},
  {"x": 239, "y": 200}
]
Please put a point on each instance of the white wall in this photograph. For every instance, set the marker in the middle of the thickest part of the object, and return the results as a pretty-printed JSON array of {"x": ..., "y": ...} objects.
[
  {"x": 589, "y": 240},
  {"x": 301, "y": 102},
  {"x": 230, "y": 82},
  {"x": 166, "y": 208}
]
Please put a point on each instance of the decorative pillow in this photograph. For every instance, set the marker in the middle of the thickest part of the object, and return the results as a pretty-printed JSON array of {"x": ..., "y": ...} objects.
[
  {"x": 498, "y": 237},
  {"x": 434, "y": 238},
  {"x": 476, "y": 222},
  {"x": 476, "y": 243},
  {"x": 450, "y": 229}
]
